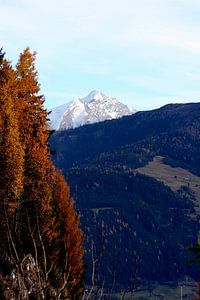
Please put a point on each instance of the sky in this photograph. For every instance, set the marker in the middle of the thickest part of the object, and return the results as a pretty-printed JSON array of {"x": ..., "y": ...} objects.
[{"x": 146, "y": 53}]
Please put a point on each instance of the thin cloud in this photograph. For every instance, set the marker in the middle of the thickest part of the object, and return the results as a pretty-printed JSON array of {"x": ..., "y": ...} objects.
[{"x": 107, "y": 39}]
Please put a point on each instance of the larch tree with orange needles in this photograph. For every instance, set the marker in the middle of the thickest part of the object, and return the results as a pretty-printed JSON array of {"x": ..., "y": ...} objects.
[
  {"x": 11, "y": 148},
  {"x": 34, "y": 132},
  {"x": 42, "y": 243},
  {"x": 11, "y": 171},
  {"x": 46, "y": 196},
  {"x": 45, "y": 242},
  {"x": 66, "y": 240}
]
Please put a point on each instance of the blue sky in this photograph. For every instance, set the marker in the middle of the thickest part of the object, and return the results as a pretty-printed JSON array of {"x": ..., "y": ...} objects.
[{"x": 145, "y": 52}]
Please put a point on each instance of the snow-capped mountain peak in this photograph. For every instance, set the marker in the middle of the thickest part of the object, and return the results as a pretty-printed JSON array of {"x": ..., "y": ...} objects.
[
  {"x": 95, "y": 107},
  {"x": 94, "y": 95},
  {"x": 76, "y": 102}
]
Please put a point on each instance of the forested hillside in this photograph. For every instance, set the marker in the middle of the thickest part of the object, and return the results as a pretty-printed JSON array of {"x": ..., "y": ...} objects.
[
  {"x": 140, "y": 227},
  {"x": 171, "y": 131}
]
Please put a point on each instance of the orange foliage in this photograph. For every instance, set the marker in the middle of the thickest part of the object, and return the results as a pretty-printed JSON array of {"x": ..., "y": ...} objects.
[
  {"x": 34, "y": 131},
  {"x": 30, "y": 183},
  {"x": 45, "y": 190},
  {"x": 11, "y": 149},
  {"x": 66, "y": 237}
]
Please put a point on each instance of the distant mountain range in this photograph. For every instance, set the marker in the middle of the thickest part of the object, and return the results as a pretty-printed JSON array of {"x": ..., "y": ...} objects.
[
  {"x": 95, "y": 107},
  {"x": 136, "y": 184}
]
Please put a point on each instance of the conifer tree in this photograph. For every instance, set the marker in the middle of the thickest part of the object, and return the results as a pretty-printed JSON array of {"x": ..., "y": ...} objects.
[
  {"x": 11, "y": 171},
  {"x": 66, "y": 240},
  {"x": 34, "y": 131},
  {"x": 11, "y": 149},
  {"x": 46, "y": 236},
  {"x": 49, "y": 196}
]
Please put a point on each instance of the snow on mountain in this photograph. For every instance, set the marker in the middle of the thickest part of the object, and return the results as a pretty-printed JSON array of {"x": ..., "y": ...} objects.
[
  {"x": 56, "y": 115},
  {"x": 95, "y": 107},
  {"x": 94, "y": 95}
]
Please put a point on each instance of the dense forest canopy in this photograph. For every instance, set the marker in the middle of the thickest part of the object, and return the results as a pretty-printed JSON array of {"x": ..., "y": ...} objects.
[{"x": 147, "y": 226}]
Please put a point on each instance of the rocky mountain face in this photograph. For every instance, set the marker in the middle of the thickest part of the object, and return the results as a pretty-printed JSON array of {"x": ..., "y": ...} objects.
[{"x": 95, "y": 107}]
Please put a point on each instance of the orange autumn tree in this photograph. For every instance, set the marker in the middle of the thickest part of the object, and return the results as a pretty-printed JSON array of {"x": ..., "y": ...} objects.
[
  {"x": 41, "y": 178},
  {"x": 66, "y": 240},
  {"x": 11, "y": 172},
  {"x": 34, "y": 192},
  {"x": 34, "y": 132},
  {"x": 11, "y": 150},
  {"x": 34, "y": 210}
]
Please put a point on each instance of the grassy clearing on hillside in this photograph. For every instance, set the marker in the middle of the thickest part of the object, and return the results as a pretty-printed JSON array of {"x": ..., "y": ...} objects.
[{"x": 175, "y": 178}]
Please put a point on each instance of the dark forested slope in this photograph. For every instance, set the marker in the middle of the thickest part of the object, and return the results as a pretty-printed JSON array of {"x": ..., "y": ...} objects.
[
  {"x": 173, "y": 130},
  {"x": 140, "y": 227}
]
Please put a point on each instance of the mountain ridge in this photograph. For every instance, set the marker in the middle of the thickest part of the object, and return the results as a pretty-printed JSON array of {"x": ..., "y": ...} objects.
[
  {"x": 113, "y": 134},
  {"x": 147, "y": 225},
  {"x": 95, "y": 107}
]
